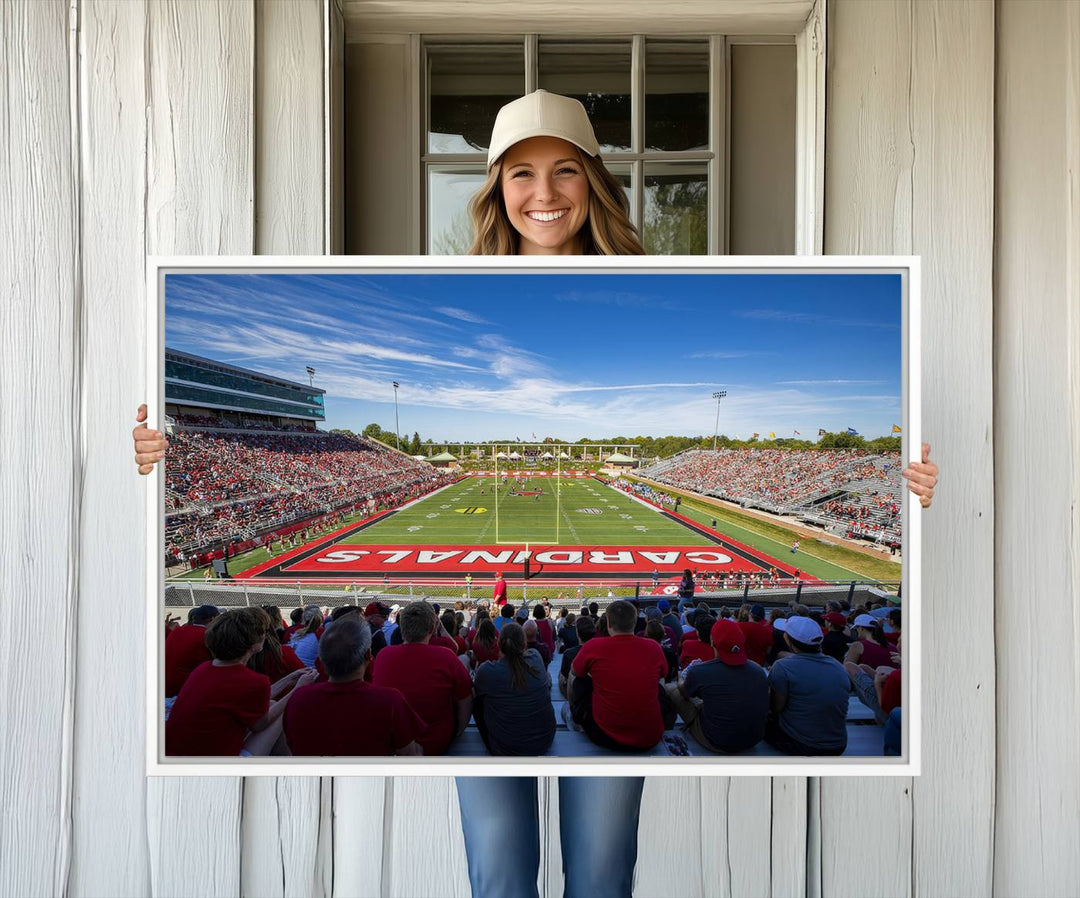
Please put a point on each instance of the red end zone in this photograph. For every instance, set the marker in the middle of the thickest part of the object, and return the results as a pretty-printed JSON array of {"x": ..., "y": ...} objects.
[{"x": 552, "y": 561}]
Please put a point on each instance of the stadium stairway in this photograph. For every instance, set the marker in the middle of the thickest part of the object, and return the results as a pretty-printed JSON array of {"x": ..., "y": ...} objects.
[{"x": 865, "y": 736}]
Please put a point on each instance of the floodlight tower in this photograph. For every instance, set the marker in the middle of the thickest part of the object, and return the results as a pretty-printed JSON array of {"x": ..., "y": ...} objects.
[
  {"x": 311, "y": 376},
  {"x": 397, "y": 426},
  {"x": 718, "y": 395}
]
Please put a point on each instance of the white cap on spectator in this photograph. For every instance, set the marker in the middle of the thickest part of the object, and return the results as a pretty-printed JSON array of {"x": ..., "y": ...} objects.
[
  {"x": 865, "y": 620},
  {"x": 541, "y": 114},
  {"x": 803, "y": 630}
]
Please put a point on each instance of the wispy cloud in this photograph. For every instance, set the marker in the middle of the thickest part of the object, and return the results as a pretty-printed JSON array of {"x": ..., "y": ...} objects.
[
  {"x": 821, "y": 382},
  {"x": 461, "y": 315}
]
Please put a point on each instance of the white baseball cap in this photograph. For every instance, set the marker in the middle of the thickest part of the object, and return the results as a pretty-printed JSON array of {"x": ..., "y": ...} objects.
[{"x": 541, "y": 114}]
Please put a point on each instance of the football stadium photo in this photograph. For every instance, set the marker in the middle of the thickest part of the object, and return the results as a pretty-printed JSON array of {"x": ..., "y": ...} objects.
[{"x": 559, "y": 514}]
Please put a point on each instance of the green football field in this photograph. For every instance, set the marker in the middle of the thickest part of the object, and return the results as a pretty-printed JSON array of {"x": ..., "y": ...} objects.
[{"x": 581, "y": 512}]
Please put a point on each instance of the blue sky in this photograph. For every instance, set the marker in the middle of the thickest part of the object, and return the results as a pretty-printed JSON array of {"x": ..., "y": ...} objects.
[{"x": 564, "y": 355}]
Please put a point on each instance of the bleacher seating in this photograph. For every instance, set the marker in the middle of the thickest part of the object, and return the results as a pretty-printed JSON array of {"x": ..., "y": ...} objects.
[
  {"x": 865, "y": 735},
  {"x": 850, "y": 491},
  {"x": 223, "y": 483}
]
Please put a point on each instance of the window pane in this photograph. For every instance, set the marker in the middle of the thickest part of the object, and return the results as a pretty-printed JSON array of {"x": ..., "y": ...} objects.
[
  {"x": 623, "y": 174},
  {"x": 676, "y": 209},
  {"x": 597, "y": 74},
  {"x": 449, "y": 192},
  {"x": 676, "y": 95},
  {"x": 467, "y": 84}
]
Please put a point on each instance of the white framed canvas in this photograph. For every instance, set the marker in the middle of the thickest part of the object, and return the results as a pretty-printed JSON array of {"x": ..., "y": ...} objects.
[{"x": 374, "y": 432}]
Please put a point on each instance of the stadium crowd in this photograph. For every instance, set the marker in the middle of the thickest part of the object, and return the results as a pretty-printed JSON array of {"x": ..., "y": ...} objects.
[
  {"x": 221, "y": 484},
  {"x": 408, "y": 680},
  {"x": 796, "y": 482}
]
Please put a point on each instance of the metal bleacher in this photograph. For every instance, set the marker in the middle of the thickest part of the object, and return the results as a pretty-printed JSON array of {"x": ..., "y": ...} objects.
[{"x": 865, "y": 735}]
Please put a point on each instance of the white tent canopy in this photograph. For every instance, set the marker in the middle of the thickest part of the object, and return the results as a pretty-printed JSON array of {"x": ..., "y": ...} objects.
[{"x": 501, "y": 455}]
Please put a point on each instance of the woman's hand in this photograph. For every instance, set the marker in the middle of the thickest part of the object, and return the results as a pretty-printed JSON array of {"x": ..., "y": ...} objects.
[
  {"x": 149, "y": 444},
  {"x": 922, "y": 477}
]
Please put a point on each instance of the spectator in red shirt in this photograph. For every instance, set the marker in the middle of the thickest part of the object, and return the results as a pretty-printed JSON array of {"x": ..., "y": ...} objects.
[
  {"x": 431, "y": 678},
  {"x": 346, "y": 716},
  {"x": 449, "y": 622},
  {"x": 759, "y": 635},
  {"x": 185, "y": 648},
  {"x": 274, "y": 660},
  {"x": 296, "y": 617},
  {"x": 616, "y": 683},
  {"x": 699, "y": 649},
  {"x": 485, "y": 645},
  {"x": 546, "y": 630},
  {"x": 533, "y": 641},
  {"x": 224, "y": 708},
  {"x": 498, "y": 595}
]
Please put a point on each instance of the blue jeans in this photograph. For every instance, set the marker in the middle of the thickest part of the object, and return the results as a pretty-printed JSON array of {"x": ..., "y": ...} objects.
[{"x": 598, "y": 823}]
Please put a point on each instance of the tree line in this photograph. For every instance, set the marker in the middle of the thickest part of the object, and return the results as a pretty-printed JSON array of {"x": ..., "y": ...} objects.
[{"x": 650, "y": 447}]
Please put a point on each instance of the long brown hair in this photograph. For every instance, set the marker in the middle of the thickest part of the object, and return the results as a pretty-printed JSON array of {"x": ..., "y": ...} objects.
[
  {"x": 512, "y": 645},
  {"x": 608, "y": 230},
  {"x": 486, "y": 634},
  {"x": 271, "y": 645}
]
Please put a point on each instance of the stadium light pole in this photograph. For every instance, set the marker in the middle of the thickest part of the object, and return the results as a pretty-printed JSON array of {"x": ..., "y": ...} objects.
[
  {"x": 397, "y": 426},
  {"x": 718, "y": 395},
  {"x": 311, "y": 376}
]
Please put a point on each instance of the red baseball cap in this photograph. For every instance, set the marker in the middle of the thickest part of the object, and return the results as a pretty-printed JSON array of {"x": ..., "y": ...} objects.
[
  {"x": 730, "y": 642},
  {"x": 376, "y": 608},
  {"x": 835, "y": 617}
]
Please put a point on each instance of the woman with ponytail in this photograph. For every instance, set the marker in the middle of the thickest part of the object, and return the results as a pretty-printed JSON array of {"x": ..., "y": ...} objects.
[{"x": 513, "y": 699}]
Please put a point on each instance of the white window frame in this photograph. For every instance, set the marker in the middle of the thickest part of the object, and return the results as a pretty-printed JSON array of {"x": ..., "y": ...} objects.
[{"x": 810, "y": 125}]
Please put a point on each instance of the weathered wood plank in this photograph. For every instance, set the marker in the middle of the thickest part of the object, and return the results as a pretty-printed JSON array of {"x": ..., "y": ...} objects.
[
  {"x": 109, "y": 774},
  {"x": 40, "y": 445},
  {"x": 1037, "y": 448},
  {"x": 361, "y": 849},
  {"x": 425, "y": 823},
  {"x": 289, "y": 127},
  {"x": 199, "y": 200},
  {"x": 909, "y": 171},
  {"x": 283, "y": 817},
  {"x": 952, "y": 77}
]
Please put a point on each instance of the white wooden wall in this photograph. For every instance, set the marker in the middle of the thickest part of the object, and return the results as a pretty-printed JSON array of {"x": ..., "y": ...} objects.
[{"x": 953, "y": 132}]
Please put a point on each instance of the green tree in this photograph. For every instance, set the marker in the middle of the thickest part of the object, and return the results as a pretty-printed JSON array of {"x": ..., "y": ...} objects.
[{"x": 415, "y": 446}]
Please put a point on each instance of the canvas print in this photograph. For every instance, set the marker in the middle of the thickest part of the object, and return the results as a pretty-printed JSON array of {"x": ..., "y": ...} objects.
[{"x": 486, "y": 515}]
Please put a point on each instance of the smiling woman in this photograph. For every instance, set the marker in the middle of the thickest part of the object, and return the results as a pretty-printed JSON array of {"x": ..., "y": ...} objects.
[{"x": 547, "y": 191}]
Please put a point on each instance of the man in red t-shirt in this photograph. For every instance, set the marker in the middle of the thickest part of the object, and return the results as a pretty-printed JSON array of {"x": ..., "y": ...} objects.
[
  {"x": 185, "y": 648},
  {"x": 499, "y": 593},
  {"x": 222, "y": 700},
  {"x": 431, "y": 678},
  {"x": 346, "y": 716},
  {"x": 625, "y": 674},
  {"x": 759, "y": 635}
]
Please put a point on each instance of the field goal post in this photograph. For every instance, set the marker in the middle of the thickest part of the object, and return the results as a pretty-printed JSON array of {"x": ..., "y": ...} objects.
[{"x": 528, "y": 543}]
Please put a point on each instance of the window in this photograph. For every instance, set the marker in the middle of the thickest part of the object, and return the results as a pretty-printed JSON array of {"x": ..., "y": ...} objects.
[{"x": 661, "y": 109}]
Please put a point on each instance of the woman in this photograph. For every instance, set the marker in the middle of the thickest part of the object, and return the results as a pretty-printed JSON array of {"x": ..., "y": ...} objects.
[
  {"x": 870, "y": 646},
  {"x": 485, "y": 645},
  {"x": 274, "y": 660},
  {"x": 543, "y": 626},
  {"x": 547, "y": 193},
  {"x": 513, "y": 699},
  {"x": 305, "y": 641}
]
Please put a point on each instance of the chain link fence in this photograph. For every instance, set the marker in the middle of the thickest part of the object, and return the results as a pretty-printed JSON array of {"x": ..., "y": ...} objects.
[{"x": 296, "y": 593}]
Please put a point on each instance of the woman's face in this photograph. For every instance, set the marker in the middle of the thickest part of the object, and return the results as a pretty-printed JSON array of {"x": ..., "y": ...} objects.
[{"x": 546, "y": 195}]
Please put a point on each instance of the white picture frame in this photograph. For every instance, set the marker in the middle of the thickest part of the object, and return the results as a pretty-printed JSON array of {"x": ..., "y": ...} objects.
[{"x": 908, "y": 764}]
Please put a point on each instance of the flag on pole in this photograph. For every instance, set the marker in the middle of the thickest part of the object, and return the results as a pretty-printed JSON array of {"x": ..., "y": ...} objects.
[
  {"x": 896, "y": 428},
  {"x": 798, "y": 434},
  {"x": 853, "y": 431},
  {"x": 534, "y": 436},
  {"x": 820, "y": 432}
]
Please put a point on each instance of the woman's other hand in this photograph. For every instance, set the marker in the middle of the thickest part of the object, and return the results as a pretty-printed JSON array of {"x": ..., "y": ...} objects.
[
  {"x": 149, "y": 444},
  {"x": 922, "y": 477}
]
